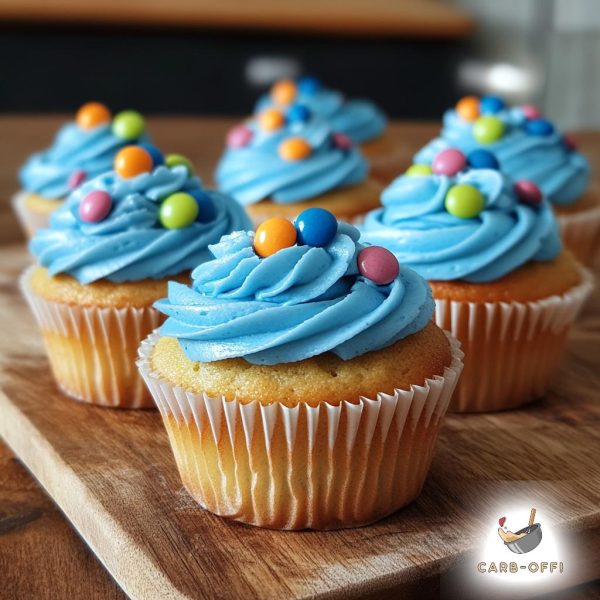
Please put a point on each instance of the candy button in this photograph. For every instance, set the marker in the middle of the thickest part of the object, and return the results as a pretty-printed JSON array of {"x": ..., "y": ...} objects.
[
  {"x": 528, "y": 192},
  {"x": 274, "y": 235},
  {"x": 76, "y": 179},
  {"x": 131, "y": 161},
  {"x": 309, "y": 85},
  {"x": 490, "y": 105},
  {"x": 207, "y": 211},
  {"x": 482, "y": 159},
  {"x": 95, "y": 206},
  {"x": 294, "y": 149},
  {"x": 449, "y": 162},
  {"x": 178, "y": 211},
  {"x": 468, "y": 108},
  {"x": 239, "y": 136},
  {"x": 175, "y": 160},
  {"x": 91, "y": 115},
  {"x": 378, "y": 264},
  {"x": 419, "y": 171},
  {"x": 341, "y": 141},
  {"x": 128, "y": 125},
  {"x": 157, "y": 156},
  {"x": 530, "y": 111},
  {"x": 298, "y": 113},
  {"x": 487, "y": 130},
  {"x": 316, "y": 227},
  {"x": 539, "y": 127},
  {"x": 271, "y": 119},
  {"x": 283, "y": 92},
  {"x": 464, "y": 201}
]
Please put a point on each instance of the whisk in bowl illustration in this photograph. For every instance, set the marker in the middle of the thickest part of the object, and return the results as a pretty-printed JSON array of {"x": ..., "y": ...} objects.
[{"x": 523, "y": 541}]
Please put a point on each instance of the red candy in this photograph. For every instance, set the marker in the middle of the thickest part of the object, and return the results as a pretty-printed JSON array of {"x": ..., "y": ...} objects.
[
  {"x": 341, "y": 141},
  {"x": 378, "y": 264},
  {"x": 449, "y": 162},
  {"x": 76, "y": 179},
  {"x": 95, "y": 206},
  {"x": 528, "y": 192},
  {"x": 239, "y": 136},
  {"x": 530, "y": 111},
  {"x": 569, "y": 142}
]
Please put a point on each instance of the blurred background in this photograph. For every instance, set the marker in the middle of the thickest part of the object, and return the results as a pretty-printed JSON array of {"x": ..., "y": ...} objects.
[{"x": 413, "y": 57}]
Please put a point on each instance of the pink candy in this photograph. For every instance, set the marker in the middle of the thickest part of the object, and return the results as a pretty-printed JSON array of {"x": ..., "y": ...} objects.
[
  {"x": 449, "y": 162},
  {"x": 528, "y": 192},
  {"x": 378, "y": 264},
  {"x": 531, "y": 112},
  {"x": 95, "y": 206},
  {"x": 76, "y": 179},
  {"x": 239, "y": 136},
  {"x": 341, "y": 141}
]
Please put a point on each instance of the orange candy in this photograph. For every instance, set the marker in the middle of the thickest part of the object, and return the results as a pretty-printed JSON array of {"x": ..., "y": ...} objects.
[
  {"x": 294, "y": 148},
  {"x": 274, "y": 235},
  {"x": 132, "y": 161},
  {"x": 468, "y": 108},
  {"x": 284, "y": 92},
  {"x": 92, "y": 114},
  {"x": 271, "y": 119}
]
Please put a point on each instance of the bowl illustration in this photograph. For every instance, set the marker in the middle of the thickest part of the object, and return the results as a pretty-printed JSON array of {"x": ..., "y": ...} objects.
[{"x": 528, "y": 542}]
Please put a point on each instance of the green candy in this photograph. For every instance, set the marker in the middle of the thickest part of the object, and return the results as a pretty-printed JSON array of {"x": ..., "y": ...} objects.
[
  {"x": 172, "y": 160},
  {"x": 487, "y": 130},
  {"x": 418, "y": 170},
  {"x": 464, "y": 201},
  {"x": 178, "y": 211},
  {"x": 128, "y": 125}
]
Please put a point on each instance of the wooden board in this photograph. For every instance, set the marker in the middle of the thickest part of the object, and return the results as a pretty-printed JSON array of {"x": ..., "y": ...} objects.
[{"x": 113, "y": 475}]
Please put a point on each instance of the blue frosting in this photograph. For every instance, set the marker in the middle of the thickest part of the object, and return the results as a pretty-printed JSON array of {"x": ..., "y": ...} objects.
[
  {"x": 416, "y": 227},
  {"x": 300, "y": 302},
  {"x": 360, "y": 120},
  {"x": 562, "y": 174},
  {"x": 92, "y": 150},
  {"x": 131, "y": 244},
  {"x": 256, "y": 171}
]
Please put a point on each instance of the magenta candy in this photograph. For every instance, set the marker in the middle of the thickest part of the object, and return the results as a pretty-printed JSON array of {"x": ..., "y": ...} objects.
[
  {"x": 239, "y": 136},
  {"x": 76, "y": 179},
  {"x": 341, "y": 141},
  {"x": 449, "y": 162},
  {"x": 569, "y": 142},
  {"x": 530, "y": 111},
  {"x": 95, "y": 206},
  {"x": 528, "y": 192},
  {"x": 378, "y": 264}
]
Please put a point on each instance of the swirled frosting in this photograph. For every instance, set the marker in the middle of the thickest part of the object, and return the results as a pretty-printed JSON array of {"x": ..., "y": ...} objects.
[
  {"x": 416, "y": 227},
  {"x": 360, "y": 120},
  {"x": 91, "y": 150},
  {"x": 130, "y": 244},
  {"x": 300, "y": 302},
  {"x": 561, "y": 173},
  {"x": 256, "y": 171}
]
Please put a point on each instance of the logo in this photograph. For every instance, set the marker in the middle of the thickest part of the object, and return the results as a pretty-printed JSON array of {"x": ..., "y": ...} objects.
[{"x": 523, "y": 541}]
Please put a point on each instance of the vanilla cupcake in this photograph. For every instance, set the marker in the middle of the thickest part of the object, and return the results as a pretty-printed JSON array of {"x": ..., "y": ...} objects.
[
  {"x": 281, "y": 163},
  {"x": 491, "y": 252},
  {"x": 81, "y": 150},
  {"x": 106, "y": 258},
  {"x": 300, "y": 378},
  {"x": 528, "y": 147}
]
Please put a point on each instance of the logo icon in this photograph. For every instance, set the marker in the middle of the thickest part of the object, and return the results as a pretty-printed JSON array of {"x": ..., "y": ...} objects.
[{"x": 523, "y": 541}]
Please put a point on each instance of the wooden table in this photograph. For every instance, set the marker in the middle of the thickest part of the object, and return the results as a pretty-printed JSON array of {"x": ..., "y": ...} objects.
[{"x": 40, "y": 555}]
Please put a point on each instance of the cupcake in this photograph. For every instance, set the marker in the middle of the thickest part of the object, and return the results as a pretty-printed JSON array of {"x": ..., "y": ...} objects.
[
  {"x": 527, "y": 147},
  {"x": 282, "y": 163},
  {"x": 361, "y": 120},
  {"x": 492, "y": 254},
  {"x": 106, "y": 258},
  {"x": 300, "y": 378}
]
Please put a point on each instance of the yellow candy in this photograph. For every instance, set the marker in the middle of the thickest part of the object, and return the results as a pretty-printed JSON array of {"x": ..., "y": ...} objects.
[
  {"x": 92, "y": 114},
  {"x": 274, "y": 235},
  {"x": 468, "y": 108},
  {"x": 271, "y": 119},
  {"x": 294, "y": 148},
  {"x": 284, "y": 92}
]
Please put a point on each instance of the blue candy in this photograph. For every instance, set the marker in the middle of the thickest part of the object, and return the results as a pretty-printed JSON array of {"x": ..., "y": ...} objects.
[
  {"x": 316, "y": 227},
  {"x": 490, "y": 105},
  {"x": 207, "y": 211},
  {"x": 156, "y": 155},
  {"x": 298, "y": 113},
  {"x": 482, "y": 159},
  {"x": 308, "y": 85},
  {"x": 539, "y": 127}
]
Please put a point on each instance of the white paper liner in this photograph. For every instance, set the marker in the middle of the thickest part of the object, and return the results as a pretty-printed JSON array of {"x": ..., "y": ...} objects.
[
  {"x": 323, "y": 467},
  {"x": 512, "y": 349},
  {"x": 30, "y": 221},
  {"x": 580, "y": 233},
  {"x": 97, "y": 365}
]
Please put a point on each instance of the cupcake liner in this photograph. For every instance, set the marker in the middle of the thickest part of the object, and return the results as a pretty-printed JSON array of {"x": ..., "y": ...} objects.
[
  {"x": 323, "y": 467},
  {"x": 580, "y": 233},
  {"x": 92, "y": 350},
  {"x": 512, "y": 349},
  {"x": 29, "y": 220}
]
